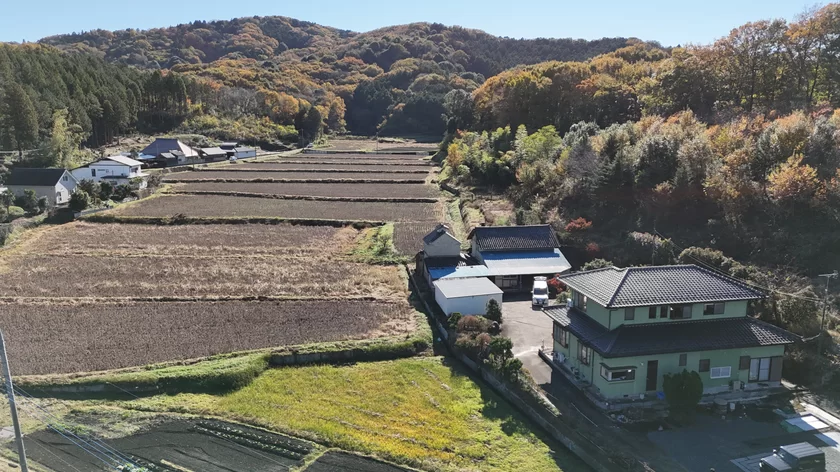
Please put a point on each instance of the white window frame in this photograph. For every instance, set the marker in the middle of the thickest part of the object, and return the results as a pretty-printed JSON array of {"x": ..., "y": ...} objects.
[
  {"x": 723, "y": 372},
  {"x": 584, "y": 354},
  {"x": 757, "y": 373},
  {"x": 715, "y": 306},
  {"x": 563, "y": 339},
  {"x": 607, "y": 374}
]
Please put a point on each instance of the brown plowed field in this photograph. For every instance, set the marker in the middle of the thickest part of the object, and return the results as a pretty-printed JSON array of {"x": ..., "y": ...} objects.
[
  {"x": 371, "y": 190},
  {"x": 243, "y": 207},
  {"x": 79, "y": 260},
  {"x": 320, "y": 166},
  {"x": 348, "y": 162},
  {"x": 362, "y": 155},
  {"x": 81, "y": 337},
  {"x": 268, "y": 175}
]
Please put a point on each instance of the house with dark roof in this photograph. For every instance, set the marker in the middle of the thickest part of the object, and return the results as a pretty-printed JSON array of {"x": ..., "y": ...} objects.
[
  {"x": 164, "y": 145},
  {"x": 55, "y": 184},
  {"x": 623, "y": 330},
  {"x": 514, "y": 255}
]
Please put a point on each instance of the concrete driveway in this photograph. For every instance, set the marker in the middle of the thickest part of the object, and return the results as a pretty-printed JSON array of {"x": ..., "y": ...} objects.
[{"x": 529, "y": 329}]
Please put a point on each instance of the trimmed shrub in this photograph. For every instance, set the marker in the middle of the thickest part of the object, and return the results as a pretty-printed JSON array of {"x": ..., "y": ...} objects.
[
  {"x": 79, "y": 201},
  {"x": 683, "y": 392},
  {"x": 494, "y": 311},
  {"x": 16, "y": 212},
  {"x": 596, "y": 264},
  {"x": 454, "y": 318},
  {"x": 475, "y": 324}
]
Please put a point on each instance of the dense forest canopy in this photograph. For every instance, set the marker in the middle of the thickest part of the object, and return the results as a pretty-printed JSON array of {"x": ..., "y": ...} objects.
[{"x": 745, "y": 133}]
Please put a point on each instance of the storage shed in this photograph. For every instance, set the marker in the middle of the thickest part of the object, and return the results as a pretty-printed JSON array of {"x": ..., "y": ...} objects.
[{"x": 466, "y": 296}]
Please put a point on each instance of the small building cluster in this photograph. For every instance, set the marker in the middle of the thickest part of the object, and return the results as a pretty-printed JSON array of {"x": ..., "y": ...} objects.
[
  {"x": 504, "y": 257},
  {"x": 169, "y": 152}
]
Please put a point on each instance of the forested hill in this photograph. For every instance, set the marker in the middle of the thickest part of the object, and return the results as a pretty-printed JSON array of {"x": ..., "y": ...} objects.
[
  {"x": 390, "y": 81},
  {"x": 266, "y": 38}
]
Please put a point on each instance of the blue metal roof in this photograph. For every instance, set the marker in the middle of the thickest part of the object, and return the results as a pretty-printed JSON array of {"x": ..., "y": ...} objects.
[{"x": 461, "y": 272}]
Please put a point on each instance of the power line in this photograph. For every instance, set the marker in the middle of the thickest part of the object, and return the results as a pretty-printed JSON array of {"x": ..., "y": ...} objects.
[
  {"x": 744, "y": 281},
  {"x": 59, "y": 431},
  {"x": 107, "y": 451},
  {"x": 45, "y": 448}
]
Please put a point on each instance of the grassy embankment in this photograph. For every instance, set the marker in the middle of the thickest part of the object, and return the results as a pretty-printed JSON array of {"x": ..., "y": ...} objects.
[{"x": 420, "y": 412}]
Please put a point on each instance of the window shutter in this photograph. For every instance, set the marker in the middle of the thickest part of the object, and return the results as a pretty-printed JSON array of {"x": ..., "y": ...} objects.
[
  {"x": 704, "y": 365},
  {"x": 776, "y": 369},
  {"x": 744, "y": 364},
  {"x": 683, "y": 360},
  {"x": 629, "y": 313},
  {"x": 652, "y": 312}
]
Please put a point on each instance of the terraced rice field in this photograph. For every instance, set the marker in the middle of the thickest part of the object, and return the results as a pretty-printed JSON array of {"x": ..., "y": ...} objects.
[
  {"x": 290, "y": 176},
  {"x": 347, "y": 162},
  {"x": 321, "y": 166},
  {"x": 214, "y": 206},
  {"x": 193, "y": 261},
  {"x": 371, "y": 190},
  {"x": 363, "y": 155},
  {"x": 408, "y": 237},
  {"x": 61, "y": 337}
]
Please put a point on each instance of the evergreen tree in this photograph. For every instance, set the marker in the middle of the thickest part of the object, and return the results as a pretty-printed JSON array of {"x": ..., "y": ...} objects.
[{"x": 20, "y": 119}]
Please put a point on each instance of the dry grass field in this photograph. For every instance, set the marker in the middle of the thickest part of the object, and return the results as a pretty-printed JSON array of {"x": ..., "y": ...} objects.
[
  {"x": 62, "y": 337},
  {"x": 80, "y": 261},
  {"x": 371, "y": 190},
  {"x": 290, "y": 176},
  {"x": 209, "y": 206}
]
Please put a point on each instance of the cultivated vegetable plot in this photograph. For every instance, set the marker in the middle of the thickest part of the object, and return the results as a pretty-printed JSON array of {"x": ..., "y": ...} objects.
[
  {"x": 372, "y": 190},
  {"x": 209, "y": 206},
  {"x": 321, "y": 166},
  {"x": 75, "y": 337},
  {"x": 291, "y": 176},
  {"x": 361, "y": 155}
]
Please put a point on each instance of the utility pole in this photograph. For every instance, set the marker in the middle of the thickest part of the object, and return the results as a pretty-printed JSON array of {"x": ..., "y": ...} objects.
[
  {"x": 10, "y": 392},
  {"x": 828, "y": 277}
]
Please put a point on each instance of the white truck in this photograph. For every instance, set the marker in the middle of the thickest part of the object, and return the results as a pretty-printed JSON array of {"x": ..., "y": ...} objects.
[{"x": 539, "y": 294}]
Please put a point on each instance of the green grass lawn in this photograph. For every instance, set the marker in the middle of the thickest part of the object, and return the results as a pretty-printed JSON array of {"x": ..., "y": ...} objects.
[{"x": 418, "y": 411}]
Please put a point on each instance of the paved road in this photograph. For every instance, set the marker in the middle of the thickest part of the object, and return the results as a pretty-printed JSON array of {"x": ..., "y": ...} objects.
[{"x": 529, "y": 329}]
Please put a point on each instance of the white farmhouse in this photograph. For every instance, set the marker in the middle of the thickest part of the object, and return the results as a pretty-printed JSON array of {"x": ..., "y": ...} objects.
[
  {"x": 55, "y": 184},
  {"x": 116, "y": 170}
]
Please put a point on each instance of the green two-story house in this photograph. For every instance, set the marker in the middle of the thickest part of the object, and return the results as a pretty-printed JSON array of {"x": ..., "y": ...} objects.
[{"x": 624, "y": 329}]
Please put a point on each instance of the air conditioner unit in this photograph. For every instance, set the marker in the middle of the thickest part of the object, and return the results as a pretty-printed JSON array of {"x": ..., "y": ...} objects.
[{"x": 736, "y": 385}]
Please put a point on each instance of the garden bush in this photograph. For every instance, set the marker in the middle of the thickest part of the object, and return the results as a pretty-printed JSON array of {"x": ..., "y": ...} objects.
[
  {"x": 474, "y": 324},
  {"x": 494, "y": 311},
  {"x": 16, "y": 212}
]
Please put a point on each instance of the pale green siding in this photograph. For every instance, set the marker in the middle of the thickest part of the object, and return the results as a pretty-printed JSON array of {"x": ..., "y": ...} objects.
[
  {"x": 615, "y": 317},
  {"x": 669, "y": 364}
]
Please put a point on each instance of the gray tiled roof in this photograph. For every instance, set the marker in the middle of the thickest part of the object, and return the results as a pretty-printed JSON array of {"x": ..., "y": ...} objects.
[
  {"x": 670, "y": 336},
  {"x": 658, "y": 285},
  {"x": 35, "y": 177},
  {"x": 514, "y": 238},
  {"x": 434, "y": 234}
]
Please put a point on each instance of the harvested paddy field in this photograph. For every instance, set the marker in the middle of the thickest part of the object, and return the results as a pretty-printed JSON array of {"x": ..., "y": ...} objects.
[
  {"x": 216, "y": 206},
  {"x": 363, "y": 155},
  {"x": 348, "y": 162},
  {"x": 408, "y": 237},
  {"x": 421, "y": 412},
  {"x": 67, "y": 336},
  {"x": 371, "y": 190},
  {"x": 192, "y": 261},
  {"x": 281, "y": 176},
  {"x": 326, "y": 167}
]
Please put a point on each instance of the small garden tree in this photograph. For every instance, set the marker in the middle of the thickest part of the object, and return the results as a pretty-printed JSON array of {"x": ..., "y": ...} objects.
[
  {"x": 454, "y": 318},
  {"x": 105, "y": 190},
  {"x": 6, "y": 199},
  {"x": 43, "y": 204},
  {"x": 28, "y": 201},
  {"x": 596, "y": 264},
  {"x": 501, "y": 357},
  {"x": 494, "y": 311},
  {"x": 79, "y": 201},
  {"x": 683, "y": 392},
  {"x": 122, "y": 191}
]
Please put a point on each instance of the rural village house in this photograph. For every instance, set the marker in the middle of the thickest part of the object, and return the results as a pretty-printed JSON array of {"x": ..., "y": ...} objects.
[
  {"x": 624, "y": 329},
  {"x": 117, "y": 170},
  {"x": 55, "y": 184},
  {"x": 212, "y": 154},
  {"x": 510, "y": 256},
  {"x": 167, "y": 152}
]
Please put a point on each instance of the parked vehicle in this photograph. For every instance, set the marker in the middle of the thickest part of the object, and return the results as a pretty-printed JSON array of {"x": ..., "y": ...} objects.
[
  {"x": 232, "y": 159},
  {"x": 799, "y": 457},
  {"x": 539, "y": 294}
]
